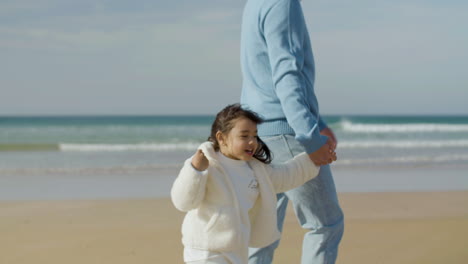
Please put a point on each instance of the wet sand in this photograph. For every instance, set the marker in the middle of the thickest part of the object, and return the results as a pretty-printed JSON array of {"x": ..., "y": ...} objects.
[{"x": 410, "y": 227}]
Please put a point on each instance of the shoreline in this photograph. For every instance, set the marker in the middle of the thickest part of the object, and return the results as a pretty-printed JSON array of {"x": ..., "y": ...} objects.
[
  {"x": 151, "y": 184},
  {"x": 383, "y": 227}
]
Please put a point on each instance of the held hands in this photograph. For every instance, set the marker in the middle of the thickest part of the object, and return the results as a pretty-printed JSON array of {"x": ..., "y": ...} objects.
[
  {"x": 329, "y": 133},
  {"x": 326, "y": 154},
  {"x": 199, "y": 161}
]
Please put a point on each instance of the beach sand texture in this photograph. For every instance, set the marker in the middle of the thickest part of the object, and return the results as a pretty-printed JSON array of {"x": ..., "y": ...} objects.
[{"x": 426, "y": 227}]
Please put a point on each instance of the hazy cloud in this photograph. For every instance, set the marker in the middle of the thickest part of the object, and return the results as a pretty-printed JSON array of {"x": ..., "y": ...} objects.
[{"x": 63, "y": 56}]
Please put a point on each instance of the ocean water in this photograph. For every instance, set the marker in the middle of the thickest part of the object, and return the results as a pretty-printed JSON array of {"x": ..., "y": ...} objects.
[{"x": 130, "y": 152}]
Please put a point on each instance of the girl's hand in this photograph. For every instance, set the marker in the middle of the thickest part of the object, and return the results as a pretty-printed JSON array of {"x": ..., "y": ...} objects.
[{"x": 199, "y": 161}]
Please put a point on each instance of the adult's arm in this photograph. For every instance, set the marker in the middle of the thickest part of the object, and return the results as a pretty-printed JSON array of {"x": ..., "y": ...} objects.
[{"x": 285, "y": 31}]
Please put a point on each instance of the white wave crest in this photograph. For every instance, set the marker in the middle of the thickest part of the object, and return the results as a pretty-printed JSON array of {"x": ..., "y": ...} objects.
[
  {"x": 402, "y": 128},
  {"x": 129, "y": 147},
  {"x": 404, "y": 159},
  {"x": 405, "y": 144},
  {"x": 85, "y": 171}
]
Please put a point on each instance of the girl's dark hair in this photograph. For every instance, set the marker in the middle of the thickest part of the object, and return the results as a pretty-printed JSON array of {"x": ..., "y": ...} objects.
[{"x": 224, "y": 123}]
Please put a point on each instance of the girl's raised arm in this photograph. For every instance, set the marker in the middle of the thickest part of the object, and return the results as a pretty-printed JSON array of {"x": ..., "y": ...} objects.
[{"x": 188, "y": 189}]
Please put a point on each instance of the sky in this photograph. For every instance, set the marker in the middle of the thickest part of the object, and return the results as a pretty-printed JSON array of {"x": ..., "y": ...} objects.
[{"x": 114, "y": 57}]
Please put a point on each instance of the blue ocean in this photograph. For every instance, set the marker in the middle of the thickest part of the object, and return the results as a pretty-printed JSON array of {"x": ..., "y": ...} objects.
[{"x": 84, "y": 156}]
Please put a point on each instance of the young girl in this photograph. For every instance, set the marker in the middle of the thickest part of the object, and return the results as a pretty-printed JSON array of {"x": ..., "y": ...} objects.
[{"x": 228, "y": 190}]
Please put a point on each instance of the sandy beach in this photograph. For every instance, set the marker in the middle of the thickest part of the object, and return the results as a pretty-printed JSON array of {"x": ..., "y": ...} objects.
[{"x": 410, "y": 227}]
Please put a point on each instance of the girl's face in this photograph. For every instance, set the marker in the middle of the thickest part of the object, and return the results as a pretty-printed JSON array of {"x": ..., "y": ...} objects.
[{"x": 241, "y": 142}]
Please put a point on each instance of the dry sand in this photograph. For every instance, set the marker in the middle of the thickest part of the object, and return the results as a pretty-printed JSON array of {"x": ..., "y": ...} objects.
[{"x": 428, "y": 227}]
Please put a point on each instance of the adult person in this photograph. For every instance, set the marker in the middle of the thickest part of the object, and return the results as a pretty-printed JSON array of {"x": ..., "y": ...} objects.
[{"x": 278, "y": 83}]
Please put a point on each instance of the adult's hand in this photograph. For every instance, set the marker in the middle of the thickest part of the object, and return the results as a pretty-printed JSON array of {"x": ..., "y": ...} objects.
[
  {"x": 324, "y": 155},
  {"x": 329, "y": 133}
]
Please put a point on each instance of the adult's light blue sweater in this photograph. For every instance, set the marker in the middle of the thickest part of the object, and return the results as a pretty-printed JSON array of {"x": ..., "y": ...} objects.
[{"x": 278, "y": 71}]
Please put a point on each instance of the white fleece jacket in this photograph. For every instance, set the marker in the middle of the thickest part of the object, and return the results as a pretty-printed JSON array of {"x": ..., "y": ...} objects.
[{"x": 213, "y": 219}]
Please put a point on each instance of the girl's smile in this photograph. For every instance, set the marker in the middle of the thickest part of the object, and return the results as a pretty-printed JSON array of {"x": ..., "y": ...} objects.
[{"x": 241, "y": 142}]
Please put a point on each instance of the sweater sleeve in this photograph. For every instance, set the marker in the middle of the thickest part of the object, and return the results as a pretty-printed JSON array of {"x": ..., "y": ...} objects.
[
  {"x": 188, "y": 189},
  {"x": 285, "y": 31},
  {"x": 322, "y": 124},
  {"x": 292, "y": 173}
]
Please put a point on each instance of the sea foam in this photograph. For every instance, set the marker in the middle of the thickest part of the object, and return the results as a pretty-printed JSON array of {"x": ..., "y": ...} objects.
[
  {"x": 404, "y": 144},
  {"x": 190, "y": 146},
  {"x": 129, "y": 147},
  {"x": 349, "y": 126}
]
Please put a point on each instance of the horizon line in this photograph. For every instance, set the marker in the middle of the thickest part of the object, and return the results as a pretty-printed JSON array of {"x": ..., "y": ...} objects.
[{"x": 211, "y": 115}]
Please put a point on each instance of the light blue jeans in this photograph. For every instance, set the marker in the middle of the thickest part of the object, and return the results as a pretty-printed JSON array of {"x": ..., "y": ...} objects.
[{"x": 316, "y": 207}]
